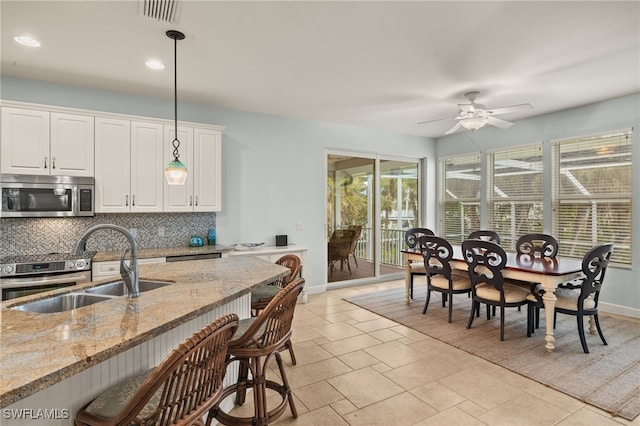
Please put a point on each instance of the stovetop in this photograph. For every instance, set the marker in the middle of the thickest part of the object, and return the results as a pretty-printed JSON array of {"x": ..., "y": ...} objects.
[{"x": 40, "y": 264}]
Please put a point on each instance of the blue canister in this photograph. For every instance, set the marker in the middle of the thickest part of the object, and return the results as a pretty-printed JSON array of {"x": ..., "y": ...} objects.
[
  {"x": 211, "y": 237},
  {"x": 195, "y": 241}
]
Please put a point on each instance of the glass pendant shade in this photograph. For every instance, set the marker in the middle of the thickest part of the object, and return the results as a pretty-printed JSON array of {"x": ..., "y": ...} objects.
[{"x": 175, "y": 172}]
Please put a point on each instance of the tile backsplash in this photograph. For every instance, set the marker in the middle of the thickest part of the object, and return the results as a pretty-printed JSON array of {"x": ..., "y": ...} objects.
[{"x": 59, "y": 235}]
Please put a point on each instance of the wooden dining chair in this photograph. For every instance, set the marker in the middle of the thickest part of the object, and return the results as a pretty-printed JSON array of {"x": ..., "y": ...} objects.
[
  {"x": 186, "y": 385},
  {"x": 485, "y": 262},
  {"x": 530, "y": 247},
  {"x": 411, "y": 240},
  {"x": 579, "y": 299},
  {"x": 485, "y": 234},
  {"x": 437, "y": 252}
]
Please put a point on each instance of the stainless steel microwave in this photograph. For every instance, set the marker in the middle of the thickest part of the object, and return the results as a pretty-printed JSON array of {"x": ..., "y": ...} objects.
[{"x": 47, "y": 196}]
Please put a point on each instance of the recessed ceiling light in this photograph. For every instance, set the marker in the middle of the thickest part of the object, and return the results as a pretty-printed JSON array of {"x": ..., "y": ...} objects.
[
  {"x": 27, "y": 41},
  {"x": 154, "y": 64}
]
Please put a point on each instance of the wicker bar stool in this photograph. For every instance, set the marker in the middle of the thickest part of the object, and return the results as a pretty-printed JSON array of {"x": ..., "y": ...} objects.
[
  {"x": 179, "y": 391},
  {"x": 257, "y": 341}
]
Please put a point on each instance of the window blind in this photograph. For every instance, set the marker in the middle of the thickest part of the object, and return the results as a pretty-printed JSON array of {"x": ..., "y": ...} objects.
[
  {"x": 459, "y": 195},
  {"x": 592, "y": 194},
  {"x": 514, "y": 193}
]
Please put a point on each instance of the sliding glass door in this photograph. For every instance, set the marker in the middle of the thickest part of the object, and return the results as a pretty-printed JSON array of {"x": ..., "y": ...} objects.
[{"x": 371, "y": 201}]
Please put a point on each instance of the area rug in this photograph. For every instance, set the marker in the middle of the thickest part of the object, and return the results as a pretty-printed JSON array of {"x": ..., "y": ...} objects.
[{"x": 608, "y": 377}]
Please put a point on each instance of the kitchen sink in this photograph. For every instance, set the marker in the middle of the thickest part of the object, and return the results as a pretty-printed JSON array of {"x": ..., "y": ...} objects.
[
  {"x": 119, "y": 288},
  {"x": 60, "y": 303}
]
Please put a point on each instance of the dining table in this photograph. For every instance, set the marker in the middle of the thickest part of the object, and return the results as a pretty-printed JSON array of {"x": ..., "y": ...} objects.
[{"x": 549, "y": 272}]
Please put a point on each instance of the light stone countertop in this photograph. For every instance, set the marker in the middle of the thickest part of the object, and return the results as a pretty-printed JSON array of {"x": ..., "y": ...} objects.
[
  {"x": 38, "y": 350},
  {"x": 146, "y": 253}
]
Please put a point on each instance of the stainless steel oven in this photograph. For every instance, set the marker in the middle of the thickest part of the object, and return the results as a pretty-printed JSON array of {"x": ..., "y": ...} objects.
[{"x": 24, "y": 275}]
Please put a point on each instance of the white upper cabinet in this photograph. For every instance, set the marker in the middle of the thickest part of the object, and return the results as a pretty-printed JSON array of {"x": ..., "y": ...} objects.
[
  {"x": 125, "y": 154},
  {"x": 147, "y": 167},
  {"x": 179, "y": 198},
  {"x": 39, "y": 142},
  {"x": 72, "y": 145},
  {"x": 113, "y": 141},
  {"x": 207, "y": 174},
  {"x": 24, "y": 148},
  {"x": 200, "y": 151},
  {"x": 129, "y": 168}
]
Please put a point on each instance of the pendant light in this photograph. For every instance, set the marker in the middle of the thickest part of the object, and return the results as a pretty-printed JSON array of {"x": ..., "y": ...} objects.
[{"x": 175, "y": 171}]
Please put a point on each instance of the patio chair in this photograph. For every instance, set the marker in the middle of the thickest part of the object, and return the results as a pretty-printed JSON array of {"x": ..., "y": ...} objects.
[
  {"x": 354, "y": 243},
  {"x": 338, "y": 248}
]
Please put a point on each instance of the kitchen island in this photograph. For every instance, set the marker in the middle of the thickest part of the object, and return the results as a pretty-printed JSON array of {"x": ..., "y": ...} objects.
[{"x": 59, "y": 361}]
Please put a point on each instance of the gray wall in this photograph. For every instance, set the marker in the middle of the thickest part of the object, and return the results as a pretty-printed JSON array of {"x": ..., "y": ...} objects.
[
  {"x": 622, "y": 289},
  {"x": 274, "y": 167},
  {"x": 273, "y": 173}
]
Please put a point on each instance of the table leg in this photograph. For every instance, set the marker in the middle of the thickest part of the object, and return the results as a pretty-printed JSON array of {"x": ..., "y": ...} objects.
[
  {"x": 549, "y": 300},
  {"x": 407, "y": 277}
]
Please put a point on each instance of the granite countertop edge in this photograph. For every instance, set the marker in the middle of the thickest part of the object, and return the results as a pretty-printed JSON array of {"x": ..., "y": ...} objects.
[{"x": 191, "y": 279}]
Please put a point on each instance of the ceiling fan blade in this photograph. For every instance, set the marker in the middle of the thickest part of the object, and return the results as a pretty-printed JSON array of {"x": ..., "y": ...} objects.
[
  {"x": 511, "y": 108},
  {"x": 439, "y": 119},
  {"x": 498, "y": 122},
  {"x": 454, "y": 128}
]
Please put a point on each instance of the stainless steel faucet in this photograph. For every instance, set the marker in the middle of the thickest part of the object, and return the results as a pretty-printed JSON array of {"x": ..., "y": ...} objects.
[{"x": 129, "y": 273}]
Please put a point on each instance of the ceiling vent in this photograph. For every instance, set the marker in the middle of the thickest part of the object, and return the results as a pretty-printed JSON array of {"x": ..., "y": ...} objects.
[{"x": 160, "y": 10}]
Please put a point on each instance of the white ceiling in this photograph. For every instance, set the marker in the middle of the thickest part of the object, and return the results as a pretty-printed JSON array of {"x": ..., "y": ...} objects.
[{"x": 384, "y": 65}]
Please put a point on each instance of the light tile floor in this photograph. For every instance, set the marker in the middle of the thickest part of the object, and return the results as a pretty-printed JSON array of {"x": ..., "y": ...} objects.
[{"x": 358, "y": 368}]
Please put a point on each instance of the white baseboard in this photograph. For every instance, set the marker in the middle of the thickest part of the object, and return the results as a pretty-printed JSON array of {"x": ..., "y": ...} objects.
[{"x": 618, "y": 310}]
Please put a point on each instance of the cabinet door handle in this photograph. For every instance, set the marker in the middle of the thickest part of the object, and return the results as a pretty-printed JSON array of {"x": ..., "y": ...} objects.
[
  {"x": 196, "y": 200},
  {"x": 53, "y": 162},
  {"x": 126, "y": 200},
  {"x": 133, "y": 200},
  {"x": 45, "y": 162},
  {"x": 191, "y": 200}
]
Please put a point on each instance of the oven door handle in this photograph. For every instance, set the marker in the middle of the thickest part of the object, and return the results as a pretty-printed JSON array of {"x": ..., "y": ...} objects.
[{"x": 78, "y": 277}]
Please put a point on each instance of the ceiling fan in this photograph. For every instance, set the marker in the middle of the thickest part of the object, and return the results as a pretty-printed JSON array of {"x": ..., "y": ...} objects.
[{"x": 473, "y": 116}]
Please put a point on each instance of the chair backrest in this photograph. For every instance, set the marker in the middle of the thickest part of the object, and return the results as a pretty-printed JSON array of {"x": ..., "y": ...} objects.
[
  {"x": 356, "y": 237},
  {"x": 340, "y": 243},
  {"x": 485, "y": 262},
  {"x": 272, "y": 327},
  {"x": 594, "y": 266},
  {"x": 292, "y": 262},
  {"x": 485, "y": 234},
  {"x": 437, "y": 252},
  {"x": 412, "y": 234},
  {"x": 537, "y": 245},
  {"x": 188, "y": 381}
]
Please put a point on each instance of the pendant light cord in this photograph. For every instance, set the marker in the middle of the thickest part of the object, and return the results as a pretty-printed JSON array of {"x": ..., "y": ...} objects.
[{"x": 176, "y": 141}]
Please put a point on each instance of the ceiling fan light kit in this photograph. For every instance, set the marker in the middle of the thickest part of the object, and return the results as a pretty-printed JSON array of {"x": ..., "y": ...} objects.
[
  {"x": 473, "y": 116},
  {"x": 474, "y": 123}
]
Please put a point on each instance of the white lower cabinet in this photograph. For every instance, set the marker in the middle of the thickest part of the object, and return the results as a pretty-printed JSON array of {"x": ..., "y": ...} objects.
[
  {"x": 112, "y": 268},
  {"x": 273, "y": 253}
]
